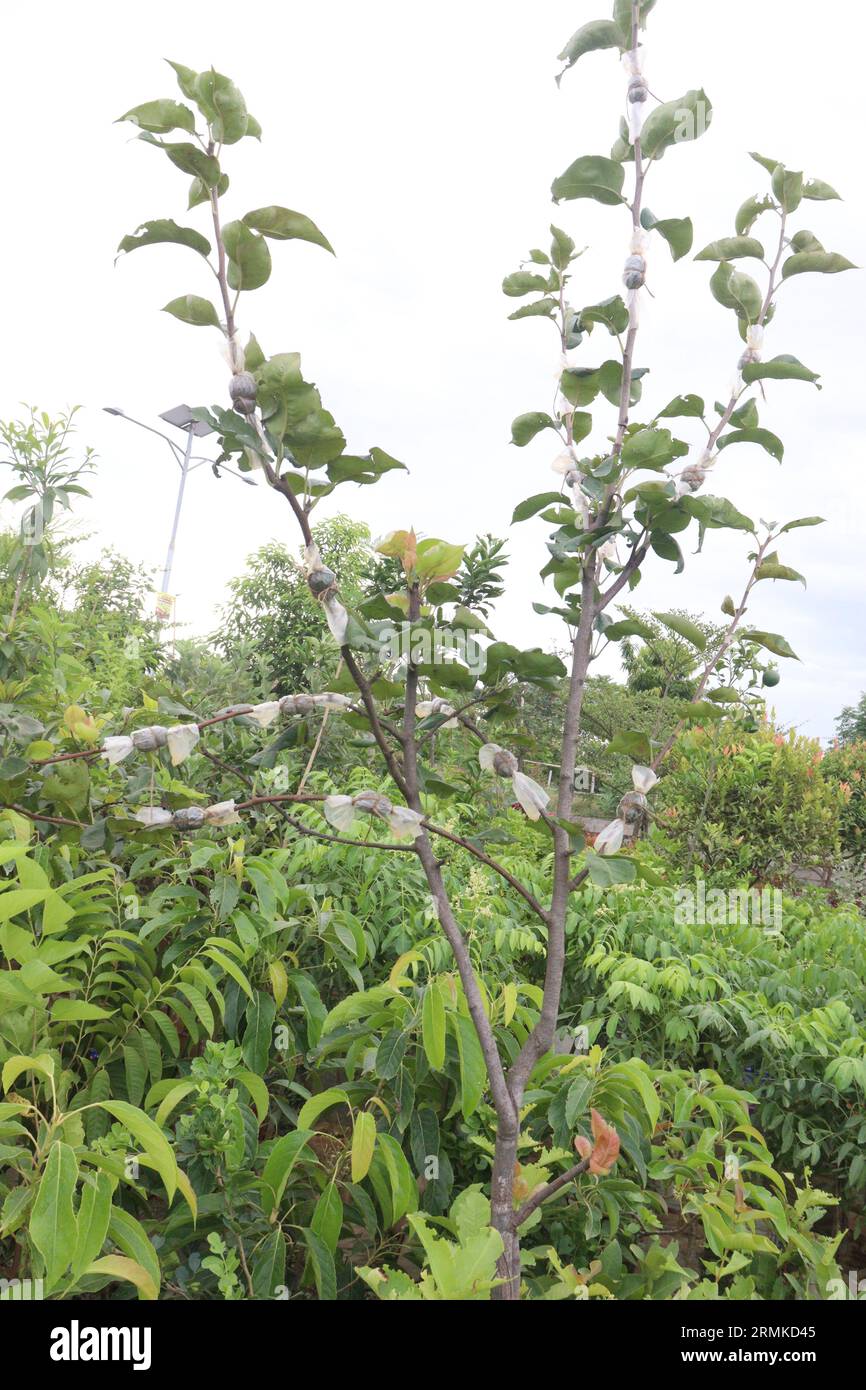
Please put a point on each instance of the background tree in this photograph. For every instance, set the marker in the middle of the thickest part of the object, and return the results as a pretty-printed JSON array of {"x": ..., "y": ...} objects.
[{"x": 851, "y": 723}]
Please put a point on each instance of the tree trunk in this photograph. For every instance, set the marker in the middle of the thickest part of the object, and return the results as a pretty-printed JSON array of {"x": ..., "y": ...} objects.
[{"x": 502, "y": 1212}]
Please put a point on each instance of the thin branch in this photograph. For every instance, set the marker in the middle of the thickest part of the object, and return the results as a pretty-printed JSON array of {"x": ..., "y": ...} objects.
[{"x": 548, "y": 1190}]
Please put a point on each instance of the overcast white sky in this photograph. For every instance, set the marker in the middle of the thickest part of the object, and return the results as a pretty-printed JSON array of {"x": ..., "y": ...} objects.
[{"x": 423, "y": 140}]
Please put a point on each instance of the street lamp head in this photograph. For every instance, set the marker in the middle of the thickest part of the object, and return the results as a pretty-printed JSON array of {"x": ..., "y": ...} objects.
[
  {"x": 112, "y": 410},
  {"x": 182, "y": 418}
]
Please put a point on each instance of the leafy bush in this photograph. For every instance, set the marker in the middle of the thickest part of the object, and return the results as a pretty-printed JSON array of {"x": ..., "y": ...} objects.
[
  {"x": 749, "y": 807},
  {"x": 844, "y": 766}
]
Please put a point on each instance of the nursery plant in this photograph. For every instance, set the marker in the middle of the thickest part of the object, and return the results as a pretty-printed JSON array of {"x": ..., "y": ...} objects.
[
  {"x": 416, "y": 664},
  {"x": 608, "y": 516}
]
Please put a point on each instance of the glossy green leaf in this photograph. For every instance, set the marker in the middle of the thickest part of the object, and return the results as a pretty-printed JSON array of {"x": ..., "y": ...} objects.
[
  {"x": 765, "y": 438},
  {"x": 53, "y": 1224},
  {"x": 684, "y": 628},
  {"x": 159, "y": 117},
  {"x": 191, "y": 308},
  {"x": 526, "y": 427},
  {"x": 165, "y": 231},
  {"x": 249, "y": 257},
  {"x": 591, "y": 176},
  {"x": 597, "y": 34},
  {"x": 281, "y": 224},
  {"x": 730, "y": 248},
  {"x": 819, "y": 262}
]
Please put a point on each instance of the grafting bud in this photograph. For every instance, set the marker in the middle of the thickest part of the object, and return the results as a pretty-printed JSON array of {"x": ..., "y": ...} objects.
[
  {"x": 148, "y": 740},
  {"x": 321, "y": 581},
  {"x": 504, "y": 763},
  {"x": 637, "y": 89},
  {"x": 635, "y": 272},
  {"x": 632, "y": 808},
  {"x": 188, "y": 818},
  {"x": 693, "y": 477},
  {"x": 242, "y": 386},
  {"x": 374, "y": 803}
]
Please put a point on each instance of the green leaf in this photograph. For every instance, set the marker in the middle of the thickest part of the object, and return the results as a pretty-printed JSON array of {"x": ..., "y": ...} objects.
[
  {"x": 200, "y": 193},
  {"x": 390, "y": 1054},
  {"x": 164, "y": 230},
  {"x": 318, "y": 1104},
  {"x": 683, "y": 405},
  {"x": 772, "y": 569},
  {"x": 149, "y": 1136},
  {"x": 223, "y": 105},
  {"x": 539, "y": 308},
  {"x": 632, "y": 744},
  {"x": 597, "y": 34},
  {"x": 788, "y": 187},
  {"x": 771, "y": 442},
  {"x": 771, "y": 165},
  {"x": 249, "y": 257},
  {"x": 628, "y": 627},
  {"x": 77, "y": 1010},
  {"x": 322, "y": 1262},
  {"x": 532, "y": 505},
  {"x": 327, "y": 1219},
  {"x": 772, "y": 641},
  {"x": 282, "y": 1158},
  {"x": 94, "y": 1211},
  {"x": 729, "y": 248},
  {"x": 121, "y": 1267},
  {"x": 819, "y": 191},
  {"x": 591, "y": 176},
  {"x": 269, "y": 1265},
  {"x": 191, "y": 160},
  {"x": 605, "y": 871},
  {"x": 678, "y": 232},
  {"x": 159, "y": 117},
  {"x": 804, "y": 521},
  {"x": 129, "y": 1234},
  {"x": 363, "y": 1144},
  {"x": 750, "y": 211},
  {"x": 433, "y": 1026},
  {"x": 666, "y": 548},
  {"x": 683, "y": 628},
  {"x": 737, "y": 291},
  {"x": 821, "y": 262},
  {"x": 14, "y": 1066},
  {"x": 523, "y": 282},
  {"x": 281, "y": 224},
  {"x": 526, "y": 427},
  {"x": 782, "y": 368},
  {"x": 676, "y": 122},
  {"x": 473, "y": 1072},
  {"x": 623, "y": 15},
  {"x": 191, "y": 308},
  {"x": 562, "y": 248},
  {"x": 649, "y": 448},
  {"x": 53, "y": 1226},
  {"x": 610, "y": 312},
  {"x": 258, "y": 1036},
  {"x": 805, "y": 240}
]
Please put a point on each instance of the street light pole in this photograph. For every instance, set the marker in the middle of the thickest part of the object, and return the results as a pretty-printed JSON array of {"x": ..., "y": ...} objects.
[
  {"x": 184, "y": 470},
  {"x": 183, "y": 419}
]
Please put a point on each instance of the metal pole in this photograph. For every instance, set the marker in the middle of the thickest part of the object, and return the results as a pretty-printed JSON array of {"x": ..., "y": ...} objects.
[{"x": 184, "y": 469}]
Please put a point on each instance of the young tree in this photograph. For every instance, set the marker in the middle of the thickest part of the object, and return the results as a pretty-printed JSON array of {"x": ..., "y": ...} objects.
[
  {"x": 37, "y": 451},
  {"x": 608, "y": 516}
]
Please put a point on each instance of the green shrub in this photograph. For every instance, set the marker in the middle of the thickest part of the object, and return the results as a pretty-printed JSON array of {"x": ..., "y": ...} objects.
[
  {"x": 749, "y": 807},
  {"x": 845, "y": 767}
]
